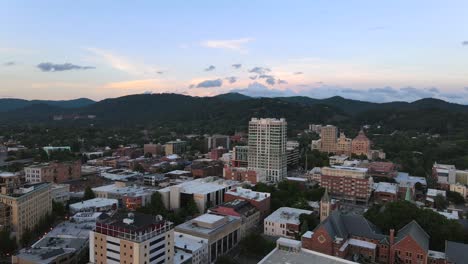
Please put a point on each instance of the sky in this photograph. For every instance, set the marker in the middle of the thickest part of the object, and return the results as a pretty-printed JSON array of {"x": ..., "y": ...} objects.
[{"x": 368, "y": 50}]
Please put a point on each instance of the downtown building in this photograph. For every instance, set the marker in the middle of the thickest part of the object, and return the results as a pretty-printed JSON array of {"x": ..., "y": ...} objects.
[
  {"x": 347, "y": 183},
  {"x": 24, "y": 207},
  {"x": 267, "y": 147},
  {"x": 349, "y": 235},
  {"x": 57, "y": 172},
  {"x": 132, "y": 238}
]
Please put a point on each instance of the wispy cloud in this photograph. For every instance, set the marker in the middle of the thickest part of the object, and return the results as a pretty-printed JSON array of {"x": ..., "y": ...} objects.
[
  {"x": 298, "y": 73},
  {"x": 210, "y": 83},
  {"x": 229, "y": 44},
  {"x": 465, "y": 43},
  {"x": 210, "y": 68},
  {"x": 259, "y": 70},
  {"x": 54, "y": 67},
  {"x": 122, "y": 63},
  {"x": 270, "y": 81},
  {"x": 231, "y": 79},
  {"x": 9, "y": 63},
  {"x": 282, "y": 81},
  {"x": 237, "y": 66}
]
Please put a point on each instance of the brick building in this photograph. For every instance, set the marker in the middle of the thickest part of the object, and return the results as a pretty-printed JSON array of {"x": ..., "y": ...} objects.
[
  {"x": 217, "y": 153},
  {"x": 284, "y": 222},
  {"x": 260, "y": 200},
  {"x": 385, "y": 192},
  {"x": 154, "y": 149},
  {"x": 348, "y": 183},
  {"x": 347, "y": 235},
  {"x": 249, "y": 214},
  {"x": 205, "y": 168},
  {"x": 56, "y": 172},
  {"x": 243, "y": 175},
  {"x": 383, "y": 169},
  {"x": 361, "y": 144}
]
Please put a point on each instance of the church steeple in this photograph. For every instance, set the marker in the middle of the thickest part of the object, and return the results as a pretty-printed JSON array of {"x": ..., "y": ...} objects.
[{"x": 325, "y": 206}]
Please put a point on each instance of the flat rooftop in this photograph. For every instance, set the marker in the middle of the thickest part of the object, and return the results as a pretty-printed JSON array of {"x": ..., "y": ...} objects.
[
  {"x": 192, "y": 227},
  {"x": 96, "y": 202},
  {"x": 278, "y": 256},
  {"x": 349, "y": 168},
  {"x": 287, "y": 215},
  {"x": 386, "y": 187},
  {"x": 204, "y": 185},
  {"x": 188, "y": 242},
  {"x": 125, "y": 190},
  {"x": 139, "y": 220},
  {"x": 249, "y": 194}
]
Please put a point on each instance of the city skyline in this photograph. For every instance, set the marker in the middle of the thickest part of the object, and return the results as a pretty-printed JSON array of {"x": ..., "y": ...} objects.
[{"x": 364, "y": 50}]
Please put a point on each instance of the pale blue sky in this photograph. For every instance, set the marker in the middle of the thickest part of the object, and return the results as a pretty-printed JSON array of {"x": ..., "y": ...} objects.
[{"x": 348, "y": 48}]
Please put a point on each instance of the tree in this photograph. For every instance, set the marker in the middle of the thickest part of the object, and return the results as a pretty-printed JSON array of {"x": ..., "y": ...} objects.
[
  {"x": 58, "y": 209},
  {"x": 148, "y": 155},
  {"x": 138, "y": 167},
  {"x": 192, "y": 208},
  {"x": 396, "y": 215},
  {"x": 440, "y": 202},
  {"x": 8, "y": 243},
  {"x": 455, "y": 197},
  {"x": 88, "y": 194},
  {"x": 255, "y": 245}
]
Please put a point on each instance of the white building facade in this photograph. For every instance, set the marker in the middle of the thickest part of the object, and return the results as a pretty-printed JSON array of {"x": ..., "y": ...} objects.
[{"x": 267, "y": 147}]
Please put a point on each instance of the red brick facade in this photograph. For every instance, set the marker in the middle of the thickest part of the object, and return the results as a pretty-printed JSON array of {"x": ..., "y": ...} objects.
[
  {"x": 262, "y": 205},
  {"x": 240, "y": 174},
  {"x": 347, "y": 187}
]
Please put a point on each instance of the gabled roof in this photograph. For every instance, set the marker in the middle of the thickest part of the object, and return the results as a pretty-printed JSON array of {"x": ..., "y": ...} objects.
[
  {"x": 456, "y": 252},
  {"x": 339, "y": 225},
  {"x": 414, "y": 230}
]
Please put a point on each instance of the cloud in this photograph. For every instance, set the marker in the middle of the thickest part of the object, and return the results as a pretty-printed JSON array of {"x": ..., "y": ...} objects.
[
  {"x": 9, "y": 63},
  {"x": 259, "y": 70},
  {"x": 298, "y": 73},
  {"x": 122, "y": 63},
  {"x": 282, "y": 81},
  {"x": 210, "y": 83},
  {"x": 231, "y": 79},
  {"x": 237, "y": 66},
  {"x": 265, "y": 76},
  {"x": 160, "y": 72},
  {"x": 230, "y": 44},
  {"x": 465, "y": 43},
  {"x": 53, "y": 67},
  {"x": 253, "y": 77},
  {"x": 259, "y": 90},
  {"x": 210, "y": 68},
  {"x": 270, "y": 81}
]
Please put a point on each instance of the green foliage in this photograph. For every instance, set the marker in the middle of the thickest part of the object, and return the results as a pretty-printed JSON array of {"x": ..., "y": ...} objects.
[
  {"x": 289, "y": 194},
  {"x": 225, "y": 260},
  {"x": 138, "y": 167},
  {"x": 88, "y": 194},
  {"x": 156, "y": 207},
  {"x": 58, "y": 209},
  {"x": 455, "y": 197},
  {"x": 308, "y": 222},
  {"x": 44, "y": 224},
  {"x": 256, "y": 246},
  {"x": 396, "y": 215},
  {"x": 8, "y": 243},
  {"x": 440, "y": 202},
  {"x": 315, "y": 158}
]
